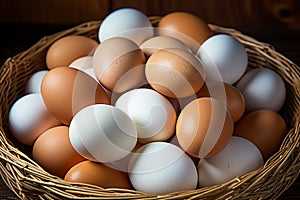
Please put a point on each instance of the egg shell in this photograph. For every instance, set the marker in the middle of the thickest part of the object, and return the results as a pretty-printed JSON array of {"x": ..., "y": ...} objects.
[
  {"x": 175, "y": 73},
  {"x": 29, "y": 117},
  {"x": 84, "y": 62},
  {"x": 90, "y": 72},
  {"x": 119, "y": 64},
  {"x": 227, "y": 94},
  {"x": 161, "y": 167},
  {"x": 34, "y": 83},
  {"x": 189, "y": 28},
  {"x": 265, "y": 128},
  {"x": 98, "y": 174},
  {"x": 102, "y": 133},
  {"x": 162, "y": 42},
  {"x": 263, "y": 89},
  {"x": 152, "y": 113},
  {"x": 54, "y": 152},
  {"x": 129, "y": 23},
  {"x": 66, "y": 90},
  {"x": 204, "y": 127},
  {"x": 239, "y": 157},
  {"x": 67, "y": 49},
  {"x": 224, "y": 58}
]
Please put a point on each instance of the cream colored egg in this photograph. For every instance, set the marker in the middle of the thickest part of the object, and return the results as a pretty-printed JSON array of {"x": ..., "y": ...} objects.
[{"x": 239, "y": 157}]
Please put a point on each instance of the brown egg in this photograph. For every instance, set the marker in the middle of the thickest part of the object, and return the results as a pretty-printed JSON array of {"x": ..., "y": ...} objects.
[
  {"x": 175, "y": 73},
  {"x": 204, "y": 127},
  {"x": 98, "y": 174},
  {"x": 227, "y": 94},
  {"x": 186, "y": 27},
  {"x": 119, "y": 64},
  {"x": 265, "y": 128},
  {"x": 162, "y": 42},
  {"x": 66, "y": 90},
  {"x": 67, "y": 49},
  {"x": 53, "y": 151}
]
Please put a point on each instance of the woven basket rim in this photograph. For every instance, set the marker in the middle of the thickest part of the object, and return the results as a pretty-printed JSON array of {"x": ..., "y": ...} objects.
[{"x": 28, "y": 180}]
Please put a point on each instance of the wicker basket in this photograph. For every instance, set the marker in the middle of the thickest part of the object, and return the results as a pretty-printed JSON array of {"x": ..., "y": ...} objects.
[{"x": 28, "y": 180}]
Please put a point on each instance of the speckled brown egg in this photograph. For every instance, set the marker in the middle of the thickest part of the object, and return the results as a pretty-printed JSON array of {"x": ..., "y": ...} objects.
[
  {"x": 190, "y": 29},
  {"x": 119, "y": 64},
  {"x": 265, "y": 128},
  {"x": 175, "y": 73},
  {"x": 67, "y": 49}
]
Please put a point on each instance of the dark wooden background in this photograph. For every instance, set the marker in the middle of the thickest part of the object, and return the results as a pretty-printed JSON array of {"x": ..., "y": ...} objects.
[
  {"x": 236, "y": 13},
  {"x": 276, "y": 22}
]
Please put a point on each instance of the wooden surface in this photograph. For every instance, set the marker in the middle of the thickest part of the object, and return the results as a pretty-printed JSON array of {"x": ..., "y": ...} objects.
[{"x": 273, "y": 21}]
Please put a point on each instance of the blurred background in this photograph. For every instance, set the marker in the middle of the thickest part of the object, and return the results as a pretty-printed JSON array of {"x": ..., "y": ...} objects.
[{"x": 276, "y": 22}]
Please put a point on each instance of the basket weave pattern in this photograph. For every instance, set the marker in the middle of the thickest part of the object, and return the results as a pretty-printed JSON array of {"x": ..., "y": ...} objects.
[{"x": 29, "y": 181}]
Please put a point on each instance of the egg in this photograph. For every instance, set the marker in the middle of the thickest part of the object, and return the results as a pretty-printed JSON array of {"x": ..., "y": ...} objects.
[
  {"x": 224, "y": 58},
  {"x": 29, "y": 118},
  {"x": 162, "y": 42},
  {"x": 175, "y": 73},
  {"x": 54, "y": 152},
  {"x": 119, "y": 64},
  {"x": 265, "y": 128},
  {"x": 239, "y": 157},
  {"x": 91, "y": 73},
  {"x": 160, "y": 168},
  {"x": 128, "y": 23},
  {"x": 227, "y": 94},
  {"x": 152, "y": 113},
  {"x": 67, "y": 49},
  {"x": 204, "y": 127},
  {"x": 34, "y": 83},
  {"x": 263, "y": 89},
  {"x": 98, "y": 174},
  {"x": 102, "y": 133},
  {"x": 66, "y": 90},
  {"x": 122, "y": 164},
  {"x": 84, "y": 62},
  {"x": 188, "y": 28}
]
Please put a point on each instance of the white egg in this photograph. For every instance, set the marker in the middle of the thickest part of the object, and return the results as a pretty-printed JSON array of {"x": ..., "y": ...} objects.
[
  {"x": 153, "y": 115},
  {"x": 102, "y": 133},
  {"x": 239, "y": 157},
  {"x": 34, "y": 82},
  {"x": 126, "y": 22},
  {"x": 262, "y": 89},
  {"x": 161, "y": 167},
  {"x": 82, "y": 63},
  {"x": 224, "y": 58},
  {"x": 29, "y": 117}
]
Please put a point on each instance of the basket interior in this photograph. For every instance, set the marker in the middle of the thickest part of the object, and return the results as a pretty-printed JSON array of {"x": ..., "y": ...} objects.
[{"x": 278, "y": 173}]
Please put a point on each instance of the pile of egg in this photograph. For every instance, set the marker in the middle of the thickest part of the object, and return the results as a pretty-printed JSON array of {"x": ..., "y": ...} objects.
[{"x": 156, "y": 109}]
